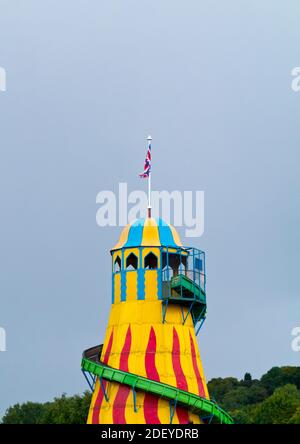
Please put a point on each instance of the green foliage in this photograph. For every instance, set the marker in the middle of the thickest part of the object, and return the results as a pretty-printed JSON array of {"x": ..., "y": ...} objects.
[
  {"x": 279, "y": 376},
  {"x": 280, "y": 407},
  {"x": 67, "y": 410},
  {"x": 218, "y": 387},
  {"x": 28, "y": 413},
  {"x": 295, "y": 419},
  {"x": 245, "y": 414},
  {"x": 248, "y": 377},
  {"x": 274, "y": 399},
  {"x": 234, "y": 399},
  {"x": 256, "y": 393},
  {"x": 63, "y": 410}
]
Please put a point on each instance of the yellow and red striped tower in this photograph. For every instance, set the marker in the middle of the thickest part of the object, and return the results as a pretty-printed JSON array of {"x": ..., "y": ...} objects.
[{"x": 158, "y": 298}]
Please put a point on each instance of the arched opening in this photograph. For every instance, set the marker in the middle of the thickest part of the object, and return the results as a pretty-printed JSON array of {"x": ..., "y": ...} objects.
[
  {"x": 167, "y": 272},
  {"x": 150, "y": 262},
  {"x": 172, "y": 260},
  {"x": 117, "y": 264},
  {"x": 131, "y": 262}
]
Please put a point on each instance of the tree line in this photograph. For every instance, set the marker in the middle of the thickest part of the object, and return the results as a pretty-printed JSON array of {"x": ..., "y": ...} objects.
[{"x": 272, "y": 399}]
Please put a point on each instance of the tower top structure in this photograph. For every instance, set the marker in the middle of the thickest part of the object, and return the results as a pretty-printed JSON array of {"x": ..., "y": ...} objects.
[
  {"x": 149, "y": 232},
  {"x": 148, "y": 369}
]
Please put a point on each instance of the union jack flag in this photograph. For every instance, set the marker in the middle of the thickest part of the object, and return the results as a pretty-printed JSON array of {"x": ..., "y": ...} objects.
[{"x": 147, "y": 165}]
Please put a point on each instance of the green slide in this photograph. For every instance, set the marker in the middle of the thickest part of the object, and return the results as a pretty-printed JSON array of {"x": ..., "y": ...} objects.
[{"x": 203, "y": 407}]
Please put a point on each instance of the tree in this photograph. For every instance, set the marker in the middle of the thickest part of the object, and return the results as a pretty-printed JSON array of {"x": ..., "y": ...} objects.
[
  {"x": 247, "y": 382},
  {"x": 218, "y": 387},
  {"x": 67, "y": 410},
  {"x": 28, "y": 413},
  {"x": 295, "y": 419},
  {"x": 63, "y": 410},
  {"x": 279, "y": 376},
  {"x": 244, "y": 415},
  {"x": 280, "y": 407},
  {"x": 235, "y": 399}
]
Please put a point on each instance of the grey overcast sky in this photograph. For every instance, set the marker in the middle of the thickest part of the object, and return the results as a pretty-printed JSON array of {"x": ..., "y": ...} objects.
[{"x": 86, "y": 82}]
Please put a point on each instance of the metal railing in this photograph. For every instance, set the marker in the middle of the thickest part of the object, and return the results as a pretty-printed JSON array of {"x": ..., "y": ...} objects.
[{"x": 188, "y": 284}]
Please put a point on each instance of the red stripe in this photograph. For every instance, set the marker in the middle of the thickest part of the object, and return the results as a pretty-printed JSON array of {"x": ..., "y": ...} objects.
[
  {"x": 151, "y": 409},
  {"x": 123, "y": 390},
  {"x": 100, "y": 395},
  {"x": 180, "y": 378},
  {"x": 125, "y": 352},
  {"x": 108, "y": 349},
  {"x": 183, "y": 415},
  {"x": 97, "y": 405},
  {"x": 196, "y": 369},
  {"x": 150, "y": 366},
  {"x": 151, "y": 401}
]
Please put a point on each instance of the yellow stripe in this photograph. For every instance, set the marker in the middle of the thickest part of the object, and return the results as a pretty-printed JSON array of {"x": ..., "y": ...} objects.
[
  {"x": 200, "y": 366},
  {"x": 123, "y": 237},
  {"x": 163, "y": 357},
  {"x": 164, "y": 411},
  {"x": 131, "y": 285},
  {"x": 151, "y": 286},
  {"x": 186, "y": 360},
  {"x": 117, "y": 288},
  {"x": 139, "y": 341},
  {"x": 94, "y": 397},
  {"x": 175, "y": 236},
  {"x": 150, "y": 233},
  {"x": 136, "y": 364},
  {"x": 131, "y": 416},
  {"x": 194, "y": 418},
  {"x": 106, "y": 409}
]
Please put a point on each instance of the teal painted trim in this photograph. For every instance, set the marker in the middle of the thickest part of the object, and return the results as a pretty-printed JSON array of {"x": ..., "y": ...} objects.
[
  {"x": 159, "y": 283},
  {"x": 159, "y": 277},
  {"x": 141, "y": 277},
  {"x": 123, "y": 280}
]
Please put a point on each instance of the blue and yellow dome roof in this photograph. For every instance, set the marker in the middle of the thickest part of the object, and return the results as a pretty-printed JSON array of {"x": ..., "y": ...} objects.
[{"x": 148, "y": 232}]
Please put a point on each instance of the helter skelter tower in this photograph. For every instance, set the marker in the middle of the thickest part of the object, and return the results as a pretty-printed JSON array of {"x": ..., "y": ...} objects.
[{"x": 149, "y": 370}]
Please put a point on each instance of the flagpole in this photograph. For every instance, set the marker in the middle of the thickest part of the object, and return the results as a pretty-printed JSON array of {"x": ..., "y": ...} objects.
[{"x": 149, "y": 138}]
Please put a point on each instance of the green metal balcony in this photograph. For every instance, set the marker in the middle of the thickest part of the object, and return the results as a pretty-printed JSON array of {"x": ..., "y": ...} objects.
[{"x": 183, "y": 283}]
